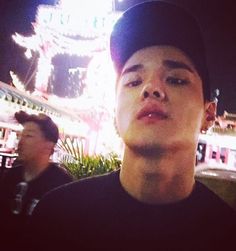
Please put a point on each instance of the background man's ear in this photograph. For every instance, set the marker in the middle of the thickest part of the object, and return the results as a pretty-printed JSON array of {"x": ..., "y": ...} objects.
[
  {"x": 49, "y": 148},
  {"x": 210, "y": 115}
]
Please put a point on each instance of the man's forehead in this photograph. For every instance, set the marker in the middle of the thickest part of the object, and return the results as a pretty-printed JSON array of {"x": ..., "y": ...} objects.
[
  {"x": 170, "y": 57},
  {"x": 31, "y": 127}
]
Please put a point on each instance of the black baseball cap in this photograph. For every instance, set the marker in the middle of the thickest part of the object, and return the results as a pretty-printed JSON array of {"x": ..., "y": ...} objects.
[
  {"x": 159, "y": 23},
  {"x": 47, "y": 126}
]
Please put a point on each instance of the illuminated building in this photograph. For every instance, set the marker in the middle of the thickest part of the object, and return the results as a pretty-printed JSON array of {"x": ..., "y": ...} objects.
[{"x": 74, "y": 28}]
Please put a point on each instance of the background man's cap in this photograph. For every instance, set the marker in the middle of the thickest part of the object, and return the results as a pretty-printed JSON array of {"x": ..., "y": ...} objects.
[
  {"x": 159, "y": 23},
  {"x": 47, "y": 126}
]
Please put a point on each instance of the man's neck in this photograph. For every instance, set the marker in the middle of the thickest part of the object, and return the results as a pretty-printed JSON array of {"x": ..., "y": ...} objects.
[
  {"x": 34, "y": 169},
  {"x": 167, "y": 178}
]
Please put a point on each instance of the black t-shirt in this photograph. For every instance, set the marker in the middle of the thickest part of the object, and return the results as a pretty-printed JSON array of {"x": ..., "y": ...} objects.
[
  {"x": 98, "y": 214},
  {"x": 19, "y": 198}
]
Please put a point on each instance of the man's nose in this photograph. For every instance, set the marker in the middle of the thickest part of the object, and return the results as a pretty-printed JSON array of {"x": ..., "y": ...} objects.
[{"x": 151, "y": 90}]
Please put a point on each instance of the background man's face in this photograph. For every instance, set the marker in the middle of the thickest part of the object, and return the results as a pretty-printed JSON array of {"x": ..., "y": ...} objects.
[
  {"x": 172, "y": 120},
  {"x": 32, "y": 142}
]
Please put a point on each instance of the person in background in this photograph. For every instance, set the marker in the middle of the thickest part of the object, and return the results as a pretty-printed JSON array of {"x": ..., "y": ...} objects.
[
  {"x": 31, "y": 176},
  {"x": 162, "y": 104}
]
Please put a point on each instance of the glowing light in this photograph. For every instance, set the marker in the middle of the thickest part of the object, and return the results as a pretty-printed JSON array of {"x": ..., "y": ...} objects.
[
  {"x": 58, "y": 30},
  {"x": 81, "y": 6},
  {"x": 28, "y": 53},
  {"x": 31, "y": 42},
  {"x": 72, "y": 127},
  {"x": 101, "y": 80},
  {"x": 16, "y": 81},
  {"x": 44, "y": 71},
  {"x": 74, "y": 21}
]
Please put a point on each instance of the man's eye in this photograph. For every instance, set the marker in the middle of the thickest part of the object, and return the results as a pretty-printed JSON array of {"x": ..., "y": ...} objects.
[
  {"x": 27, "y": 135},
  {"x": 176, "y": 81},
  {"x": 134, "y": 83}
]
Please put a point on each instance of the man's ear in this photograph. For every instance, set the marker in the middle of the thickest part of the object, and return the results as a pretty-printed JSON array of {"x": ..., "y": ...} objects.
[
  {"x": 49, "y": 147},
  {"x": 209, "y": 116}
]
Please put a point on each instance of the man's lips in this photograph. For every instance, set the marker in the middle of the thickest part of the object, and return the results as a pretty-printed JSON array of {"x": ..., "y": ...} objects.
[{"x": 152, "y": 113}]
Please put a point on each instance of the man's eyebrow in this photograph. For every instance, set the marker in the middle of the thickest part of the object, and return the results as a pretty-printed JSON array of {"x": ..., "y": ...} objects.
[
  {"x": 29, "y": 130},
  {"x": 172, "y": 64},
  {"x": 132, "y": 68}
]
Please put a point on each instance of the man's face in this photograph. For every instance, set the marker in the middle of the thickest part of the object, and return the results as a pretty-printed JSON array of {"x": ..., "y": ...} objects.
[
  {"x": 159, "y": 100},
  {"x": 32, "y": 142}
]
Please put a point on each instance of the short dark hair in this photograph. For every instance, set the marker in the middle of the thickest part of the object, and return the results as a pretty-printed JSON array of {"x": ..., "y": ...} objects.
[
  {"x": 47, "y": 126},
  {"x": 159, "y": 23}
]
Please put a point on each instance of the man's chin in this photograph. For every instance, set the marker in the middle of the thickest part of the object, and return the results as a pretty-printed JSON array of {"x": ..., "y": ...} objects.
[{"x": 147, "y": 149}]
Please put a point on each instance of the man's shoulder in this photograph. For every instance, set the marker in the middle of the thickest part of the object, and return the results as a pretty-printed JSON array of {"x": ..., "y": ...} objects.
[
  {"x": 59, "y": 172},
  {"x": 82, "y": 191},
  {"x": 50, "y": 178},
  {"x": 89, "y": 185}
]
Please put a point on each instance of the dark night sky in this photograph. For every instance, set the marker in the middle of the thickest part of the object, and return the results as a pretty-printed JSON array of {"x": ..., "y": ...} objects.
[{"x": 216, "y": 17}]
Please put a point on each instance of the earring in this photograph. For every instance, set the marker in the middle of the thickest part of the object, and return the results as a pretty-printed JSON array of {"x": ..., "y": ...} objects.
[{"x": 204, "y": 129}]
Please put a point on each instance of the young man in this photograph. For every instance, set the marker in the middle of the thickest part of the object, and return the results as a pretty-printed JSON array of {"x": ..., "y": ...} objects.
[
  {"x": 31, "y": 177},
  {"x": 162, "y": 103}
]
